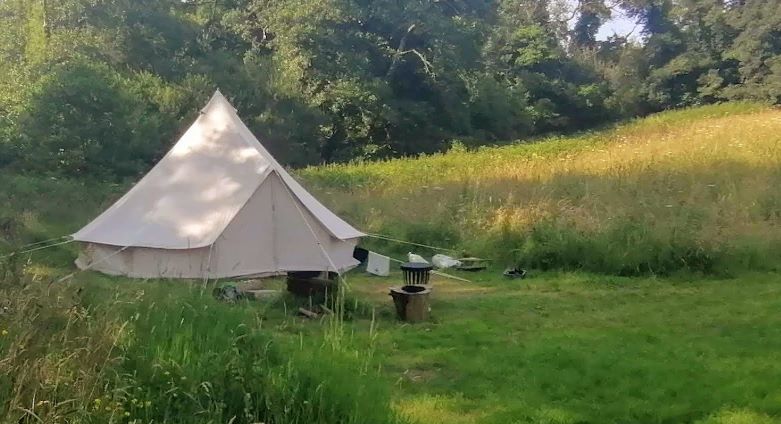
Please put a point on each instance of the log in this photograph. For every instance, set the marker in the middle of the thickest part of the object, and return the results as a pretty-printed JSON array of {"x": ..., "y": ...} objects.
[
  {"x": 307, "y": 313},
  {"x": 412, "y": 303},
  {"x": 263, "y": 294}
]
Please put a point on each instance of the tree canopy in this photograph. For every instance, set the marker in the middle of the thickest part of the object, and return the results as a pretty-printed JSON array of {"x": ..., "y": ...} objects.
[{"x": 101, "y": 87}]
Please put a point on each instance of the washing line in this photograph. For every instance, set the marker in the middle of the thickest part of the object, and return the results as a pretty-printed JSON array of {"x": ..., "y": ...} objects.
[
  {"x": 440, "y": 273},
  {"x": 383, "y": 237}
]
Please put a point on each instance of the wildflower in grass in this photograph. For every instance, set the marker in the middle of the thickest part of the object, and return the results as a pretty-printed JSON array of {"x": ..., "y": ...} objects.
[
  {"x": 127, "y": 414},
  {"x": 166, "y": 373},
  {"x": 5, "y": 332}
]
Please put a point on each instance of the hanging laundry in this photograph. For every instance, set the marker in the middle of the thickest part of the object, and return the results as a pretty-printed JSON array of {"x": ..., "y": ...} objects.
[
  {"x": 360, "y": 254},
  {"x": 412, "y": 257},
  {"x": 444, "y": 262},
  {"x": 378, "y": 264}
]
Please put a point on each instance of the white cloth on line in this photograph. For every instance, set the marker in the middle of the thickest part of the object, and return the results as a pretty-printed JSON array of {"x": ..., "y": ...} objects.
[
  {"x": 416, "y": 258},
  {"x": 378, "y": 264}
]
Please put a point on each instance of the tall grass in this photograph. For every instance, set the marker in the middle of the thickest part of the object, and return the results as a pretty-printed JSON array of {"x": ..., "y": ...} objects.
[
  {"x": 686, "y": 190},
  {"x": 109, "y": 350},
  {"x": 90, "y": 352}
]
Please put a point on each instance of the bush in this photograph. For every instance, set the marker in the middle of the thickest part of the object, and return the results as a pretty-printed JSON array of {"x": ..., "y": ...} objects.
[{"x": 87, "y": 119}]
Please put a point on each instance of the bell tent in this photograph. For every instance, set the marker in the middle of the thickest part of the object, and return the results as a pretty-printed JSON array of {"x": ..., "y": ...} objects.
[{"x": 218, "y": 205}]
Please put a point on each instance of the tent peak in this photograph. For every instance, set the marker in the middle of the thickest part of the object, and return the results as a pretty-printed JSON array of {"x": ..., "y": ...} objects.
[
  {"x": 217, "y": 97},
  {"x": 190, "y": 196}
]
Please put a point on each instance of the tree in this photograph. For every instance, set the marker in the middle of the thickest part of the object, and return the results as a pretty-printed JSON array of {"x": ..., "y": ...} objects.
[{"x": 101, "y": 87}]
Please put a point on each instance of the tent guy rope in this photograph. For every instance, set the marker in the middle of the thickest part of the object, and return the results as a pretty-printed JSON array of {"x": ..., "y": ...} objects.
[
  {"x": 38, "y": 248},
  {"x": 88, "y": 267},
  {"x": 29, "y": 245}
]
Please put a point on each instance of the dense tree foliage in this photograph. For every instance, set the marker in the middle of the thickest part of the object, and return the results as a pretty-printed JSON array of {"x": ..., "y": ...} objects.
[{"x": 102, "y": 86}]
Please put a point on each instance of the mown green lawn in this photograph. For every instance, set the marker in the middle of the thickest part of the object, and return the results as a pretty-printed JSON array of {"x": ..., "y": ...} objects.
[{"x": 575, "y": 348}]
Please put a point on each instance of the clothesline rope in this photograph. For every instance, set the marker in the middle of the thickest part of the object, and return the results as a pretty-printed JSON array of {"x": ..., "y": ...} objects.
[
  {"x": 373, "y": 235},
  {"x": 440, "y": 273},
  {"x": 382, "y": 237}
]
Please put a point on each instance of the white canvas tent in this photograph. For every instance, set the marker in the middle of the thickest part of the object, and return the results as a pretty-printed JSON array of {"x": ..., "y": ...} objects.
[{"x": 217, "y": 205}]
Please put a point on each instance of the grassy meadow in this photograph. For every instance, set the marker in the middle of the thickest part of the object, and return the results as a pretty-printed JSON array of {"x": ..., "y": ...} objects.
[
  {"x": 693, "y": 190},
  {"x": 653, "y": 297}
]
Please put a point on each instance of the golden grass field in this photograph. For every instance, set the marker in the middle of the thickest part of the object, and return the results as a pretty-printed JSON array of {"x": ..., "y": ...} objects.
[{"x": 694, "y": 189}]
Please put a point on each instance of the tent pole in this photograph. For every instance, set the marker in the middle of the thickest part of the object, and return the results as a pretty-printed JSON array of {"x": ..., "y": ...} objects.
[{"x": 208, "y": 268}]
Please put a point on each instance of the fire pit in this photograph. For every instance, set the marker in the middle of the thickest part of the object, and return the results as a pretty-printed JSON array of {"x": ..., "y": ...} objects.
[{"x": 416, "y": 273}]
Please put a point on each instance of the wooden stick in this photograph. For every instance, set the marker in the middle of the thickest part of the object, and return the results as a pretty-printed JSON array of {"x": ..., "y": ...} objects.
[
  {"x": 442, "y": 274},
  {"x": 307, "y": 313}
]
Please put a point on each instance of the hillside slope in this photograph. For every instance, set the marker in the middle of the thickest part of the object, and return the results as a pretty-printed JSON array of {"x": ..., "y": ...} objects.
[
  {"x": 689, "y": 190},
  {"x": 693, "y": 189}
]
